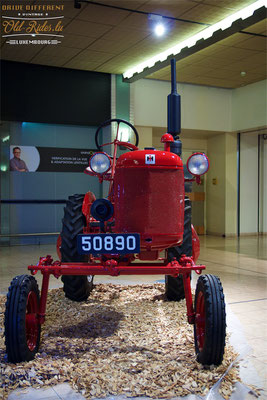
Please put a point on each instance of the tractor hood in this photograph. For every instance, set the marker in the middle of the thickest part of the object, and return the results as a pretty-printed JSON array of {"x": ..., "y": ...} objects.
[{"x": 149, "y": 158}]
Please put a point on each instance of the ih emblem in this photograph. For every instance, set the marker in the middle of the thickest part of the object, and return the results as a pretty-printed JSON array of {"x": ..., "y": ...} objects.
[{"x": 150, "y": 158}]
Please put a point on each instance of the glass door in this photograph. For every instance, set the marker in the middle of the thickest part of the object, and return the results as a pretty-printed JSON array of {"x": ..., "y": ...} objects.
[{"x": 4, "y": 181}]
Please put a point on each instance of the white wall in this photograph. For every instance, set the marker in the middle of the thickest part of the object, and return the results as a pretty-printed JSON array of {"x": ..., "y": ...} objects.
[
  {"x": 248, "y": 183},
  {"x": 230, "y": 184},
  {"x": 203, "y": 107},
  {"x": 249, "y": 105},
  {"x": 263, "y": 187},
  {"x": 216, "y": 192},
  {"x": 145, "y": 136}
]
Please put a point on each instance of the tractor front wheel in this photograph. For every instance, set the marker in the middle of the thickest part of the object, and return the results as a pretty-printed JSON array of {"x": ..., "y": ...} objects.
[
  {"x": 22, "y": 327},
  {"x": 76, "y": 287},
  {"x": 210, "y": 324}
]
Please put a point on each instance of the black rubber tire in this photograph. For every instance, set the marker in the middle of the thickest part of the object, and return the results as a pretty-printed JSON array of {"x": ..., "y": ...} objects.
[
  {"x": 76, "y": 288},
  {"x": 209, "y": 290},
  {"x": 15, "y": 319},
  {"x": 174, "y": 287}
]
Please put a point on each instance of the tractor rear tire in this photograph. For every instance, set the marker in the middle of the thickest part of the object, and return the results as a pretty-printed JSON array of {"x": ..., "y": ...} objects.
[
  {"x": 210, "y": 320},
  {"x": 76, "y": 288},
  {"x": 22, "y": 327},
  {"x": 174, "y": 287}
]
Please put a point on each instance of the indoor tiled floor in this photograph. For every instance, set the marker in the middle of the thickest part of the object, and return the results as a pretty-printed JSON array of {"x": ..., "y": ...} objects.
[{"x": 240, "y": 263}]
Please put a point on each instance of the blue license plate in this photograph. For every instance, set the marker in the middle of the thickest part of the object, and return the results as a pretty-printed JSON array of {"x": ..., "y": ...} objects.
[{"x": 109, "y": 243}]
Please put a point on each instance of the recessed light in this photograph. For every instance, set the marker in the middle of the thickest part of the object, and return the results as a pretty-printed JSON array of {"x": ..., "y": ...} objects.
[
  {"x": 156, "y": 22},
  {"x": 159, "y": 29},
  {"x": 243, "y": 73}
]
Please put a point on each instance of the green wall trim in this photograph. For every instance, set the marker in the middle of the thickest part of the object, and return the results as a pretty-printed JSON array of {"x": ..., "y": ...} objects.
[{"x": 122, "y": 98}]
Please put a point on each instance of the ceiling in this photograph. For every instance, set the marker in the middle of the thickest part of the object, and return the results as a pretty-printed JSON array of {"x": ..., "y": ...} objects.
[{"x": 112, "y": 40}]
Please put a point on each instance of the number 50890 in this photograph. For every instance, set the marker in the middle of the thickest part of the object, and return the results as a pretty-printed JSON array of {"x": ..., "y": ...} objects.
[{"x": 109, "y": 243}]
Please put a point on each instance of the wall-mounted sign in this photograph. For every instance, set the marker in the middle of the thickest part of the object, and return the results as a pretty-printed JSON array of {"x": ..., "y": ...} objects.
[
  {"x": 32, "y": 24},
  {"x": 48, "y": 159}
]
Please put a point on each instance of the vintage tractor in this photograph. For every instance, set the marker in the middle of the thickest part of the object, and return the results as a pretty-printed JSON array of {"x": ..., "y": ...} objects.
[{"x": 142, "y": 227}]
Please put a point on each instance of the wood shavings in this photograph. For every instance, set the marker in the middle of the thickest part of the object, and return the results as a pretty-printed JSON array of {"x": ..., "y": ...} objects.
[{"x": 124, "y": 340}]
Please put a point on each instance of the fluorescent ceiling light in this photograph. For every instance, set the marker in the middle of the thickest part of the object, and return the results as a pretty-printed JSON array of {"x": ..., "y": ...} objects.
[
  {"x": 5, "y": 139},
  {"x": 205, "y": 34}
]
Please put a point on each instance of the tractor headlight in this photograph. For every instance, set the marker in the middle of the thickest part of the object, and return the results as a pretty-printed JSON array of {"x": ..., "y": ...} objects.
[
  {"x": 100, "y": 163},
  {"x": 198, "y": 164}
]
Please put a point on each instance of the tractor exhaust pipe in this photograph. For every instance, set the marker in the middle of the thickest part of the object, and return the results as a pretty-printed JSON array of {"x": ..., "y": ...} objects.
[{"x": 174, "y": 112}]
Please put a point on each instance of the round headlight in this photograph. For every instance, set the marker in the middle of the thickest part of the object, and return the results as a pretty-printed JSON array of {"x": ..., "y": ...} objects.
[
  {"x": 198, "y": 164},
  {"x": 100, "y": 163}
]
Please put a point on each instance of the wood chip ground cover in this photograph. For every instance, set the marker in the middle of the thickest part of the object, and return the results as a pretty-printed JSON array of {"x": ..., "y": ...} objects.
[{"x": 123, "y": 340}]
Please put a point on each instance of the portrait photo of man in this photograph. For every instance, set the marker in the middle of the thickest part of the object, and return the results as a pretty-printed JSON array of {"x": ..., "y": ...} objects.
[{"x": 16, "y": 163}]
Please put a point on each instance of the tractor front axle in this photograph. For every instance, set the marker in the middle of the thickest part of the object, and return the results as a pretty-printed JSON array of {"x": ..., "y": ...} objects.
[{"x": 113, "y": 268}]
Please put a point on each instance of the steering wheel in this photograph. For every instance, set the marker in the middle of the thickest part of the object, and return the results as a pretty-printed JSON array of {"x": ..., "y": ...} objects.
[{"x": 129, "y": 146}]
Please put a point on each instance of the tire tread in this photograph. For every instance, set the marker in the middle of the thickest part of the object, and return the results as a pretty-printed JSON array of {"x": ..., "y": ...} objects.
[
  {"x": 215, "y": 325},
  {"x": 174, "y": 287},
  {"x": 15, "y": 313},
  {"x": 76, "y": 288}
]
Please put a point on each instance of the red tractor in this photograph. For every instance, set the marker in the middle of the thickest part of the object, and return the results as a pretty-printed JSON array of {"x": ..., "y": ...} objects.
[{"x": 142, "y": 227}]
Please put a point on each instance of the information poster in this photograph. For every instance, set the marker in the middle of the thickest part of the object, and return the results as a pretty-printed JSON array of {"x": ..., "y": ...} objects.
[{"x": 48, "y": 159}]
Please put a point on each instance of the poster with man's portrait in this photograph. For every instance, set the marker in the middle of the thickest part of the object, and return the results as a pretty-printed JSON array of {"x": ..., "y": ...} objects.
[{"x": 48, "y": 159}]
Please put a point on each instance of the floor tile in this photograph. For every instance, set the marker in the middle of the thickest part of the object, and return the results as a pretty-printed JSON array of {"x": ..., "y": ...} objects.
[{"x": 241, "y": 265}]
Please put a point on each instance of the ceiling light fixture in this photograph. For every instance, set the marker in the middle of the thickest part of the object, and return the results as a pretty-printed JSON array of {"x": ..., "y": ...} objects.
[
  {"x": 205, "y": 34},
  {"x": 159, "y": 29},
  {"x": 157, "y": 24}
]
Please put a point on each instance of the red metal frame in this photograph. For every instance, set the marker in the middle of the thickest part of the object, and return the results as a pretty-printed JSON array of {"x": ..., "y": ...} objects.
[
  {"x": 31, "y": 320},
  {"x": 113, "y": 267},
  {"x": 200, "y": 317},
  {"x": 167, "y": 139},
  {"x": 195, "y": 244}
]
